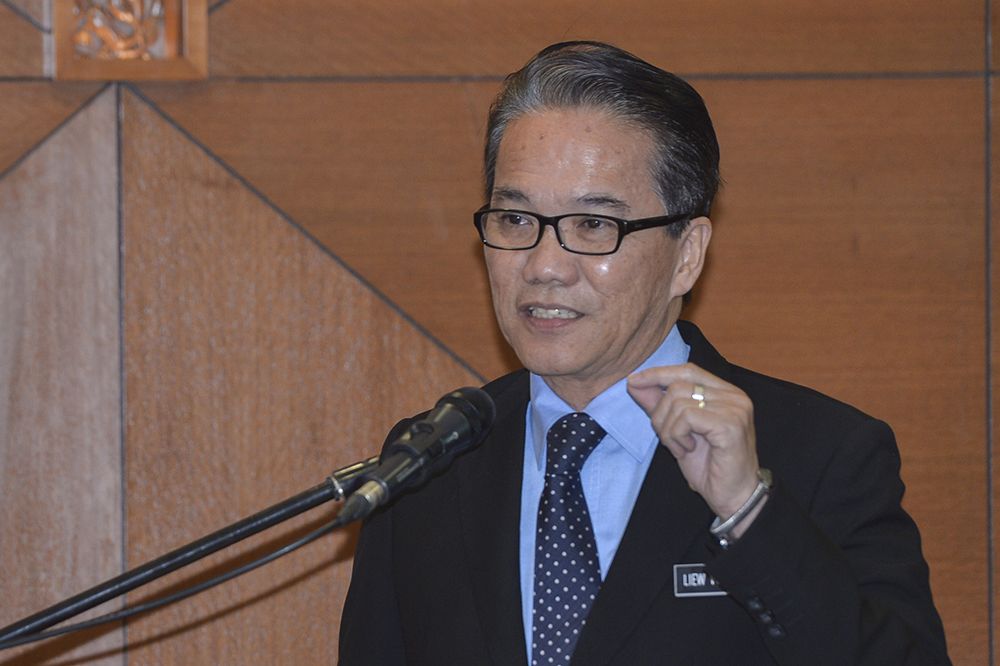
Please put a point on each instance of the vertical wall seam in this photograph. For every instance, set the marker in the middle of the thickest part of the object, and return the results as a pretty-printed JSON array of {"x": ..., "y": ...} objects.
[
  {"x": 119, "y": 112},
  {"x": 988, "y": 185}
]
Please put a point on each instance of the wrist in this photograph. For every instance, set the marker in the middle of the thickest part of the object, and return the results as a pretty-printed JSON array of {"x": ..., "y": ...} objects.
[
  {"x": 729, "y": 530},
  {"x": 741, "y": 527},
  {"x": 738, "y": 500}
]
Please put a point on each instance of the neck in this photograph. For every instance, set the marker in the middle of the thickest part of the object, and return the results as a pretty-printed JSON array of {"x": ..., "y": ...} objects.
[{"x": 575, "y": 393}]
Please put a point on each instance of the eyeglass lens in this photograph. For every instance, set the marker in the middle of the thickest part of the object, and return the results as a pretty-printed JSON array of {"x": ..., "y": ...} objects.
[{"x": 579, "y": 233}]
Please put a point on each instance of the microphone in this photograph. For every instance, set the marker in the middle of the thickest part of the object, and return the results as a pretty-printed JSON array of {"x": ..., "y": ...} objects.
[{"x": 458, "y": 422}]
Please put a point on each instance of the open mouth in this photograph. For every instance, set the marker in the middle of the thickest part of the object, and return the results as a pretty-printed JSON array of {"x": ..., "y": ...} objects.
[{"x": 552, "y": 313}]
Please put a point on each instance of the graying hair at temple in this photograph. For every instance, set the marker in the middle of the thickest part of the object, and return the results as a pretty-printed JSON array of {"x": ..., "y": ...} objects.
[{"x": 595, "y": 75}]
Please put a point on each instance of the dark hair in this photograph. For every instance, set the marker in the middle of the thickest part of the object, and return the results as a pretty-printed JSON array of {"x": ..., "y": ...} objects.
[{"x": 685, "y": 166}]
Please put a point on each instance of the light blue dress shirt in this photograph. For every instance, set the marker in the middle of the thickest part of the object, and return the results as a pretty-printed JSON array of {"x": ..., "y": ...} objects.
[{"x": 612, "y": 474}]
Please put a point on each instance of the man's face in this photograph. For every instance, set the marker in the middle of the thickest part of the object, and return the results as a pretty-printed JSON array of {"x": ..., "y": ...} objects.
[{"x": 582, "y": 322}]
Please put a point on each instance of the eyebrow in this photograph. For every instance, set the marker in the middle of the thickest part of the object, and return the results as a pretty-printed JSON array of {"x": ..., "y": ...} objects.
[
  {"x": 510, "y": 194},
  {"x": 605, "y": 201},
  {"x": 596, "y": 199}
]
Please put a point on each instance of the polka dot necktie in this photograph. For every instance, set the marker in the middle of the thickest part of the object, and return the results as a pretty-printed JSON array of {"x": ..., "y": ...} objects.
[{"x": 567, "y": 570}]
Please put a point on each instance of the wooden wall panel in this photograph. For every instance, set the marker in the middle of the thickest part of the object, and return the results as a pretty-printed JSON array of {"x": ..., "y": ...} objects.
[
  {"x": 20, "y": 46},
  {"x": 993, "y": 311},
  {"x": 847, "y": 256},
  {"x": 255, "y": 365},
  {"x": 35, "y": 10},
  {"x": 31, "y": 110},
  {"x": 384, "y": 174},
  {"x": 440, "y": 37},
  {"x": 60, "y": 465},
  {"x": 993, "y": 58}
]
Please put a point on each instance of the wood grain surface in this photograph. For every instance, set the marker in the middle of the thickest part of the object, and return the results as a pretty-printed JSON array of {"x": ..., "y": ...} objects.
[
  {"x": 256, "y": 364},
  {"x": 20, "y": 45},
  {"x": 440, "y": 37},
  {"x": 60, "y": 427},
  {"x": 385, "y": 175},
  {"x": 993, "y": 306},
  {"x": 36, "y": 9},
  {"x": 29, "y": 111}
]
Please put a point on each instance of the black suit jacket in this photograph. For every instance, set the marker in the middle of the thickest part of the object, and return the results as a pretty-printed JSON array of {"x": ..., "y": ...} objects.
[{"x": 831, "y": 572}]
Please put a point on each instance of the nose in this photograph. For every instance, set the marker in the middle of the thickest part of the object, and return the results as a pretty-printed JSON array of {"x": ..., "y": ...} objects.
[{"x": 549, "y": 262}]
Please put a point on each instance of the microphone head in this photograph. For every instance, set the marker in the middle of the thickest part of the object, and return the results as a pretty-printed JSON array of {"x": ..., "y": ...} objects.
[{"x": 477, "y": 407}]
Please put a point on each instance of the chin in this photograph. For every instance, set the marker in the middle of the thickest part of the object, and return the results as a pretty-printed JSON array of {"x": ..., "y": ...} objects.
[
  {"x": 548, "y": 356},
  {"x": 547, "y": 365}
]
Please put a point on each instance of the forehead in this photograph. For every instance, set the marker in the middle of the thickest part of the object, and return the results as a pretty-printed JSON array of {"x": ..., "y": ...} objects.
[{"x": 572, "y": 154}]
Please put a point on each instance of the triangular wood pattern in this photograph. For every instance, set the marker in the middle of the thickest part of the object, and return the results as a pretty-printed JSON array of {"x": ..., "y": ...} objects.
[
  {"x": 255, "y": 364},
  {"x": 60, "y": 427},
  {"x": 31, "y": 110},
  {"x": 20, "y": 45},
  {"x": 35, "y": 9},
  {"x": 386, "y": 175}
]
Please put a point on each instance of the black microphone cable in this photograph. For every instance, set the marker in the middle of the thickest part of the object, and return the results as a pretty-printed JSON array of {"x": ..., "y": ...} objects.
[
  {"x": 458, "y": 422},
  {"x": 180, "y": 595}
]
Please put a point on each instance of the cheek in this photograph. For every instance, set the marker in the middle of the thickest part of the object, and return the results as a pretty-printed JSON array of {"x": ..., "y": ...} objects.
[
  {"x": 635, "y": 286},
  {"x": 603, "y": 266},
  {"x": 502, "y": 272},
  {"x": 605, "y": 274}
]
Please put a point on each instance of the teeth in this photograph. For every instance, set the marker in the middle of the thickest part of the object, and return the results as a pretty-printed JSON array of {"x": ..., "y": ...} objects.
[{"x": 552, "y": 313}]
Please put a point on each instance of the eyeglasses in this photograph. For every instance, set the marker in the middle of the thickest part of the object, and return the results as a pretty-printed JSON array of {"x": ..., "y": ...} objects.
[{"x": 580, "y": 233}]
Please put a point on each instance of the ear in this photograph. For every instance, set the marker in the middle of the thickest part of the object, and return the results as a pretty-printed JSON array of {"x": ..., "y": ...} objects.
[{"x": 692, "y": 250}]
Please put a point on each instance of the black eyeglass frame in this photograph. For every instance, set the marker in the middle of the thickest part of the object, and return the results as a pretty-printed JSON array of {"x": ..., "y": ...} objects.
[{"x": 625, "y": 227}]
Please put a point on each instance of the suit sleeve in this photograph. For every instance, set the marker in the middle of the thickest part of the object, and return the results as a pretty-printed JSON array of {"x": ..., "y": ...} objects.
[
  {"x": 842, "y": 580},
  {"x": 370, "y": 630}
]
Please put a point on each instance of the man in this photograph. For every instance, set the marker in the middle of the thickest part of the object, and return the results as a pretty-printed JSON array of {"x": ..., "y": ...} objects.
[{"x": 639, "y": 500}]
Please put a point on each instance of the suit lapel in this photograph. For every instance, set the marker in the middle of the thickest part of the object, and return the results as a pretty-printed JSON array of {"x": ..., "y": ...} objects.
[
  {"x": 667, "y": 521},
  {"x": 703, "y": 354},
  {"x": 490, "y": 503}
]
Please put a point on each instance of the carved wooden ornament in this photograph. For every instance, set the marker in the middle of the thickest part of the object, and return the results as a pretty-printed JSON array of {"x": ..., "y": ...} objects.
[{"x": 130, "y": 39}]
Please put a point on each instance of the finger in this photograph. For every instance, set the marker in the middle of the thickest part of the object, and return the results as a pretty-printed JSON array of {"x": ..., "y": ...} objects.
[
  {"x": 666, "y": 375},
  {"x": 689, "y": 425},
  {"x": 675, "y": 416},
  {"x": 648, "y": 393},
  {"x": 661, "y": 376},
  {"x": 647, "y": 397},
  {"x": 677, "y": 448},
  {"x": 713, "y": 403},
  {"x": 688, "y": 412}
]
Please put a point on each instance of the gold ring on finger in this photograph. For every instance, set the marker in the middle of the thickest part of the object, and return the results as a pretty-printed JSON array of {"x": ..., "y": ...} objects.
[{"x": 699, "y": 395}]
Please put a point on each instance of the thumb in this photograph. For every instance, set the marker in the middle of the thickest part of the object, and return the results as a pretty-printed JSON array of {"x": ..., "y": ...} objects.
[{"x": 645, "y": 394}]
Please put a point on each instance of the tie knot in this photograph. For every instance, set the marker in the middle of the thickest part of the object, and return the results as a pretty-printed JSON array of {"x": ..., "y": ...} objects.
[{"x": 570, "y": 440}]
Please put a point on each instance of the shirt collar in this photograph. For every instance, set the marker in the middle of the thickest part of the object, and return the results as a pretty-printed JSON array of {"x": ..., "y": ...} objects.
[{"x": 614, "y": 409}]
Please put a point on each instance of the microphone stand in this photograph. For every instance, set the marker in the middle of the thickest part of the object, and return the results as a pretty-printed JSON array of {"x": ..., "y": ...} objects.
[{"x": 336, "y": 486}]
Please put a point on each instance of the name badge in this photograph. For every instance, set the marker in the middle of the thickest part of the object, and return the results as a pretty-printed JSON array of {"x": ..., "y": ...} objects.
[{"x": 691, "y": 580}]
